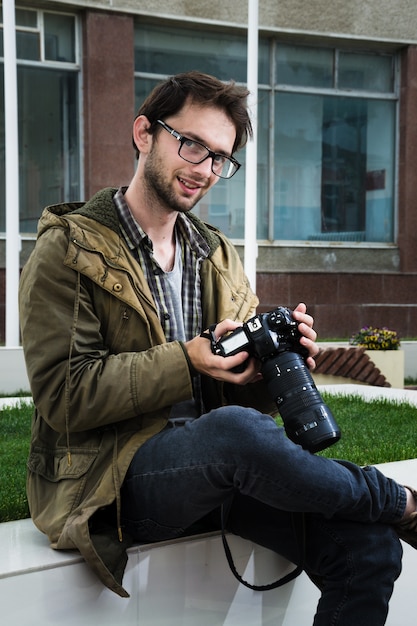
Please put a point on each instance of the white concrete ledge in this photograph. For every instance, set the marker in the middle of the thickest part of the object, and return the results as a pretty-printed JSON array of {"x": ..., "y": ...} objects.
[
  {"x": 180, "y": 583},
  {"x": 14, "y": 377},
  {"x": 14, "y": 402}
]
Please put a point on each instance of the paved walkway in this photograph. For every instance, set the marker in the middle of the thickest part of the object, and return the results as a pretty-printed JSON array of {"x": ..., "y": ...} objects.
[
  {"x": 371, "y": 393},
  {"x": 367, "y": 392}
]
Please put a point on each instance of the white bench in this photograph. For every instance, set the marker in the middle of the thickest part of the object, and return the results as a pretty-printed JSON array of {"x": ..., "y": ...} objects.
[{"x": 180, "y": 583}]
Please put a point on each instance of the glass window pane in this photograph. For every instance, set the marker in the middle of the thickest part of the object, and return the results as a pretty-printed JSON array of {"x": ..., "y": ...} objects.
[
  {"x": 334, "y": 168},
  {"x": 297, "y": 165},
  {"x": 49, "y": 167},
  {"x": 263, "y": 62},
  {"x": 163, "y": 51},
  {"x": 344, "y": 145},
  {"x": 2, "y": 156},
  {"x": 380, "y": 171},
  {"x": 224, "y": 204},
  {"x": 28, "y": 45},
  {"x": 263, "y": 173},
  {"x": 27, "y": 18},
  {"x": 49, "y": 148},
  {"x": 368, "y": 72},
  {"x": 303, "y": 66},
  {"x": 59, "y": 37},
  {"x": 143, "y": 87}
]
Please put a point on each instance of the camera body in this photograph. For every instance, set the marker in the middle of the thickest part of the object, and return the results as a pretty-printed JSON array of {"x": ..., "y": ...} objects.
[{"x": 273, "y": 338}]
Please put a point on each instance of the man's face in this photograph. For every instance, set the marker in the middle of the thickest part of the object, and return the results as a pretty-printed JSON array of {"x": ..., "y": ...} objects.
[{"x": 173, "y": 182}]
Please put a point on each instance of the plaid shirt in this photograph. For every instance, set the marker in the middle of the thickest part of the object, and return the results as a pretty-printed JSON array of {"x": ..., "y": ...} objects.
[{"x": 194, "y": 249}]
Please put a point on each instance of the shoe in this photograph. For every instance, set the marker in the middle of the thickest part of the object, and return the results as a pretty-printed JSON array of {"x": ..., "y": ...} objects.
[{"x": 407, "y": 529}]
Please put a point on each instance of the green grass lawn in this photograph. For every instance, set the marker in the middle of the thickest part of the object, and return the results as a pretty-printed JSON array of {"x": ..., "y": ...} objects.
[
  {"x": 378, "y": 431},
  {"x": 14, "y": 448},
  {"x": 373, "y": 432}
]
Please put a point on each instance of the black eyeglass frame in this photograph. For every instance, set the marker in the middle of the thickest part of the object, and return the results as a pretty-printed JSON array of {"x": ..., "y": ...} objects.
[{"x": 210, "y": 153}]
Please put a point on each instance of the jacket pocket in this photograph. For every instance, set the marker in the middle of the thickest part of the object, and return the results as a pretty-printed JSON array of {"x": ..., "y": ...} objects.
[
  {"x": 56, "y": 465},
  {"x": 55, "y": 486}
]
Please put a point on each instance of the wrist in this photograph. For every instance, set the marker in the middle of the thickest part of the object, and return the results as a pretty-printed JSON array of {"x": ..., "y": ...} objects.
[{"x": 192, "y": 369}]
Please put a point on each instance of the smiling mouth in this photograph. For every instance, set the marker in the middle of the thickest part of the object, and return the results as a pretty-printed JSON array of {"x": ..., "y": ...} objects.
[{"x": 188, "y": 184}]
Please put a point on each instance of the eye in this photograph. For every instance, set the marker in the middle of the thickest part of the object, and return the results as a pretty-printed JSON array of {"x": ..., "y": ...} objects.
[
  {"x": 193, "y": 146},
  {"x": 220, "y": 159}
]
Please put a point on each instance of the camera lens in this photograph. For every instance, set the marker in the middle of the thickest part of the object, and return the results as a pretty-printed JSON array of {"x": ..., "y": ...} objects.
[{"x": 308, "y": 421}]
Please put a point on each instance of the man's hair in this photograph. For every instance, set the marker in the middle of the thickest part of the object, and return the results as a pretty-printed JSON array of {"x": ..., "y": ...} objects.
[{"x": 169, "y": 97}]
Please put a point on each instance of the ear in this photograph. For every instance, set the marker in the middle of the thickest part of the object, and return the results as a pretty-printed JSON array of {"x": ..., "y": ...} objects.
[{"x": 141, "y": 136}]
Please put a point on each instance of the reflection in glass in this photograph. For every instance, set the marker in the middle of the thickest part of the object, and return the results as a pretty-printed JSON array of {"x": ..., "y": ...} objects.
[{"x": 334, "y": 168}]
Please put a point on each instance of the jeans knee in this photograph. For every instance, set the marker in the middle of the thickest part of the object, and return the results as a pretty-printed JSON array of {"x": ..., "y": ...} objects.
[
  {"x": 357, "y": 571},
  {"x": 364, "y": 551},
  {"x": 382, "y": 547},
  {"x": 239, "y": 424}
]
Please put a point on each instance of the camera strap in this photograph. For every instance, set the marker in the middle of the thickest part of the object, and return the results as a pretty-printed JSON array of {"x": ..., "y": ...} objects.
[
  {"x": 225, "y": 508},
  {"x": 210, "y": 335},
  {"x": 300, "y": 537}
]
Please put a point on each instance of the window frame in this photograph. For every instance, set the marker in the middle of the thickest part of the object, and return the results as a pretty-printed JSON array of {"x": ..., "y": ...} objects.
[
  {"x": 47, "y": 64},
  {"x": 271, "y": 91}
]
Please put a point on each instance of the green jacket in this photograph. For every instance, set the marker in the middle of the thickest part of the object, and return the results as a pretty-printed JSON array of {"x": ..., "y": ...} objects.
[{"x": 101, "y": 371}]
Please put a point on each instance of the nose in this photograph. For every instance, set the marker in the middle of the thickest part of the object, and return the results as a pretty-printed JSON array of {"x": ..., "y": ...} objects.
[{"x": 204, "y": 168}]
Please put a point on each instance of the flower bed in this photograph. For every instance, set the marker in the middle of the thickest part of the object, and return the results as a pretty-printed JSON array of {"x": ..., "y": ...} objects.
[{"x": 376, "y": 338}]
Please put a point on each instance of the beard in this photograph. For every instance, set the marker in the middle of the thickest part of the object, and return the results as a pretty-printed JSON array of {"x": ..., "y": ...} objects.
[{"x": 161, "y": 190}]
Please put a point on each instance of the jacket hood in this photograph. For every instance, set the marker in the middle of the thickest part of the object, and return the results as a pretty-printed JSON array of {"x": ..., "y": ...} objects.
[{"x": 101, "y": 208}]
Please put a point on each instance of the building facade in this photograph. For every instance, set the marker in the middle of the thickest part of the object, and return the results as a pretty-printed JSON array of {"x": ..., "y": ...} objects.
[{"x": 337, "y": 135}]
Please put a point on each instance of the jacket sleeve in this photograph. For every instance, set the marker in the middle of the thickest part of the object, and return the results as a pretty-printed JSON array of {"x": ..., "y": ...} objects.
[{"x": 77, "y": 381}]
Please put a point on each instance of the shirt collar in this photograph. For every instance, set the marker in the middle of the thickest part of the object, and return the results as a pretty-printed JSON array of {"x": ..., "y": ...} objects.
[{"x": 136, "y": 236}]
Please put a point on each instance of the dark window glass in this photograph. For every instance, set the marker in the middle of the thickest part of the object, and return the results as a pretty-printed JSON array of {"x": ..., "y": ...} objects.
[{"x": 48, "y": 142}]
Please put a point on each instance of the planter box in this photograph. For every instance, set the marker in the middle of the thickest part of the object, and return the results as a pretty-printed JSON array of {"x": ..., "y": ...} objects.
[
  {"x": 409, "y": 349},
  {"x": 391, "y": 365}
]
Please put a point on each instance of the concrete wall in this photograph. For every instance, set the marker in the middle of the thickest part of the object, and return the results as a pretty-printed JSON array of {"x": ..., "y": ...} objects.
[
  {"x": 375, "y": 19},
  {"x": 14, "y": 378}
]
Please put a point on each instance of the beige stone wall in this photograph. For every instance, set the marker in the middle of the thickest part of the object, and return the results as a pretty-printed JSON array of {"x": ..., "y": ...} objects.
[{"x": 389, "y": 20}]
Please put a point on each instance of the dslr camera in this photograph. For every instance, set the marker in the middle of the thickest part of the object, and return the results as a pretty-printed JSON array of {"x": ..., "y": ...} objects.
[{"x": 273, "y": 338}]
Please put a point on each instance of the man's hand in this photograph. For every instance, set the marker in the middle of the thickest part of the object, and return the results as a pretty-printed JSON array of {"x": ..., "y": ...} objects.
[
  {"x": 218, "y": 367},
  {"x": 309, "y": 336}
]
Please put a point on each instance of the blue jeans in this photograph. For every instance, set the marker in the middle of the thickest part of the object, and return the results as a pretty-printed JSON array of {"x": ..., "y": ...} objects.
[{"x": 183, "y": 475}]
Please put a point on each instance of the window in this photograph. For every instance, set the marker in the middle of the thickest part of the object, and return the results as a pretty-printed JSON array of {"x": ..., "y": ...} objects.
[
  {"x": 334, "y": 166},
  {"x": 326, "y": 133},
  {"x": 48, "y": 113}
]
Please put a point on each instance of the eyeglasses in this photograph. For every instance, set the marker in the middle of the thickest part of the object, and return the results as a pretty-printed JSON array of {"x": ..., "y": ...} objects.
[{"x": 195, "y": 152}]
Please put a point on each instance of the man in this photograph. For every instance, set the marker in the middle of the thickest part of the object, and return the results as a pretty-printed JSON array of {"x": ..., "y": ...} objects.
[{"x": 140, "y": 432}]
